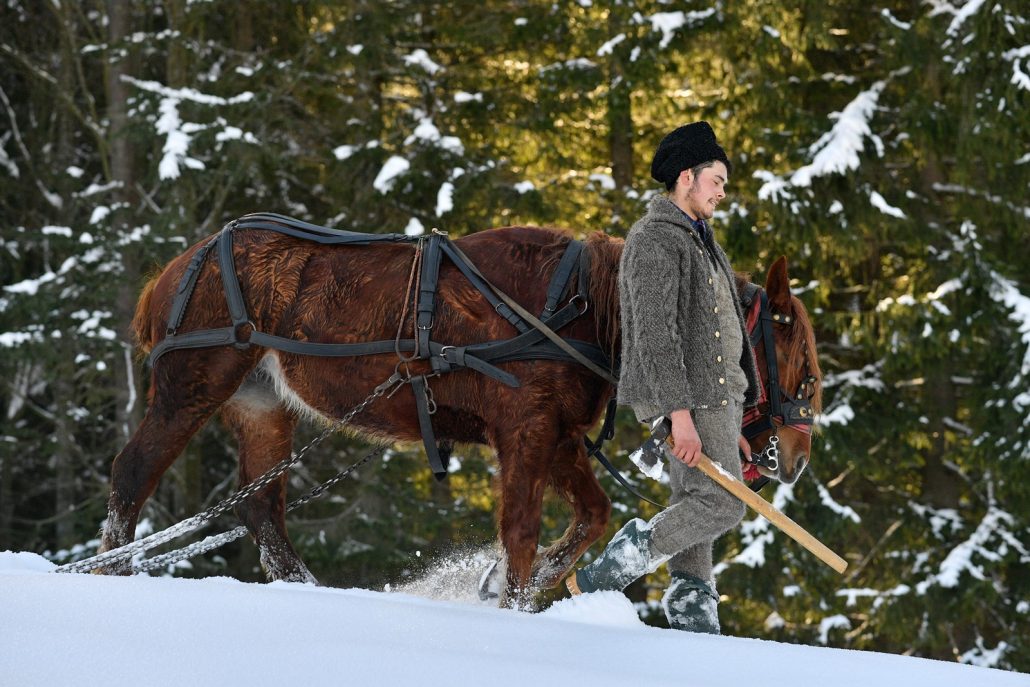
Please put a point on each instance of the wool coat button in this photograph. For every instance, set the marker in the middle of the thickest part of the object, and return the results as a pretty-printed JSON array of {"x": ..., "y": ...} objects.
[
  {"x": 722, "y": 380},
  {"x": 715, "y": 309},
  {"x": 724, "y": 401},
  {"x": 709, "y": 280},
  {"x": 716, "y": 335},
  {"x": 718, "y": 358}
]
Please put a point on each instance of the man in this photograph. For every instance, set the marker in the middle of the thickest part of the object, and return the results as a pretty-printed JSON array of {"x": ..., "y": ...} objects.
[{"x": 685, "y": 355}]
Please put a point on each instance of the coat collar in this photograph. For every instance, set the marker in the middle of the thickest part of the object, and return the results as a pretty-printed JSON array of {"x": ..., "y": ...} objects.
[{"x": 662, "y": 209}]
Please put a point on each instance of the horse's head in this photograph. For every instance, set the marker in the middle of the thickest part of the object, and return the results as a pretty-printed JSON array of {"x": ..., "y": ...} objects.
[{"x": 791, "y": 394}]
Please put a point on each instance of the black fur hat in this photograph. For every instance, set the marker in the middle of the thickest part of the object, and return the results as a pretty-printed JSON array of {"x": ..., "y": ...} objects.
[{"x": 684, "y": 148}]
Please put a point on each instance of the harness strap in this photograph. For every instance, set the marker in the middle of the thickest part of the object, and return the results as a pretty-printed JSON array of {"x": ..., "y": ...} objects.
[
  {"x": 186, "y": 286},
  {"x": 583, "y": 277},
  {"x": 562, "y": 275},
  {"x": 428, "y": 282},
  {"x": 770, "y": 357},
  {"x": 312, "y": 232},
  {"x": 594, "y": 450},
  {"x": 496, "y": 350},
  {"x": 425, "y": 423},
  {"x": 203, "y": 338},
  {"x": 467, "y": 269},
  {"x": 233, "y": 295},
  {"x": 548, "y": 332}
]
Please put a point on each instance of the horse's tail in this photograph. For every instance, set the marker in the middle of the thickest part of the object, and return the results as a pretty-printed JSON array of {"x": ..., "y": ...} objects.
[{"x": 142, "y": 321}]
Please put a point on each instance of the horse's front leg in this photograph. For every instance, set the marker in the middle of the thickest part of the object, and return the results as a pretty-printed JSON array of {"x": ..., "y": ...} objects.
[
  {"x": 524, "y": 454},
  {"x": 573, "y": 479}
]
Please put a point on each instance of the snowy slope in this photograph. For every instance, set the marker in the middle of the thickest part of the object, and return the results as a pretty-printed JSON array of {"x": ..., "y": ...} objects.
[{"x": 83, "y": 629}]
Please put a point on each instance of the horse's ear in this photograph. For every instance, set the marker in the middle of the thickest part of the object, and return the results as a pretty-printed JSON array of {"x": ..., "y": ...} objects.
[{"x": 777, "y": 285}]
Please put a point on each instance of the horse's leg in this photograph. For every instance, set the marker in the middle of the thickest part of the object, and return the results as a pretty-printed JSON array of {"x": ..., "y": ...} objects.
[
  {"x": 524, "y": 453},
  {"x": 264, "y": 432},
  {"x": 188, "y": 387},
  {"x": 574, "y": 480}
]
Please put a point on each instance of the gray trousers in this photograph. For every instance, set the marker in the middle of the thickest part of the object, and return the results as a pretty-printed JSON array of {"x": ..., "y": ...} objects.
[{"x": 701, "y": 510}]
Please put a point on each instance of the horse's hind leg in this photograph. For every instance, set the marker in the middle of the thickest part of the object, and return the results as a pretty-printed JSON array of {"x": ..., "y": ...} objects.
[
  {"x": 264, "y": 432},
  {"x": 188, "y": 387},
  {"x": 574, "y": 480}
]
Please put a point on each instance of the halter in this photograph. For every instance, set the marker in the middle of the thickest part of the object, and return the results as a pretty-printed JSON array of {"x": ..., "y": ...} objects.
[{"x": 782, "y": 409}]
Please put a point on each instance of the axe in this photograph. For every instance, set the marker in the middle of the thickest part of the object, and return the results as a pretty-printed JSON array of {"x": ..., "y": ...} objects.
[{"x": 648, "y": 458}]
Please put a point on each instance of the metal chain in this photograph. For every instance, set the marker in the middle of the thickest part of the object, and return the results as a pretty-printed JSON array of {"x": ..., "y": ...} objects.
[
  {"x": 217, "y": 540},
  {"x": 197, "y": 521}
]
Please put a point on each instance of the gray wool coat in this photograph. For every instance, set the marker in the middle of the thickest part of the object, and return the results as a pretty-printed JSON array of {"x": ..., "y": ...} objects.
[{"x": 670, "y": 354}]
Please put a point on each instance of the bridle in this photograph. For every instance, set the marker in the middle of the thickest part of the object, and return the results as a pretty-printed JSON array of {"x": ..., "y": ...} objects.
[{"x": 776, "y": 407}]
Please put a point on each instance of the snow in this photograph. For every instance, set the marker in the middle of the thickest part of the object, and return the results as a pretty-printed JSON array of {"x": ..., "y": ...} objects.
[
  {"x": 421, "y": 58},
  {"x": 836, "y": 152},
  {"x": 393, "y": 168},
  {"x": 414, "y": 228},
  {"x": 445, "y": 198},
  {"x": 51, "y": 230},
  {"x": 669, "y": 22},
  {"x": 883, "y": 206},
  {"x": 69, "y": 629},
  {"x": 99, "y": 213},
  {"x": 609, "y": 46},
  {"x": 1019, "y": 77},
  {"x": 960, "y": 559},
  {"x": 524, "y": 187},
  {"x": 968, "y": 10}
]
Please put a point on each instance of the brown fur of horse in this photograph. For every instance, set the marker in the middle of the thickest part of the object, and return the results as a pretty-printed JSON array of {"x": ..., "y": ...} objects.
[{"x": 349, "y": 294}]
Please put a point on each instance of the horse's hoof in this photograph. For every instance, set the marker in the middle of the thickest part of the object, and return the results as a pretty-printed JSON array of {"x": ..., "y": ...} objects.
[
  {"x": 572, "y": 585},
  {"x": 491, "y": 581}
]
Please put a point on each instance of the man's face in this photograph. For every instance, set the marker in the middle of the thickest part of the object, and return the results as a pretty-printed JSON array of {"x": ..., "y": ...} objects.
[{"x": 701, "y": 194}]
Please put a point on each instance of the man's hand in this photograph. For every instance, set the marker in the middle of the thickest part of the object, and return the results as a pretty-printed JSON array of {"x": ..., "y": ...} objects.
[
  {"x": 745, "y": 447},
  {"x": 686, "y": 444}
]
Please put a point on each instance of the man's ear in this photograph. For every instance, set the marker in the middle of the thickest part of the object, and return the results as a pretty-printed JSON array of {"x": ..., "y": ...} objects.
[{"x": 686, "y": 177}]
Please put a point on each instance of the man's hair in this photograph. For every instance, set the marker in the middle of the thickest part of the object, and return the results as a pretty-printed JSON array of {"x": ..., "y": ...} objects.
[{"x": 697, "y": 173}]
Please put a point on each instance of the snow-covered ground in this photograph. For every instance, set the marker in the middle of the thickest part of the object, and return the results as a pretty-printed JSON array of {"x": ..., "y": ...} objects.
[{"x": 84, "y": 629}]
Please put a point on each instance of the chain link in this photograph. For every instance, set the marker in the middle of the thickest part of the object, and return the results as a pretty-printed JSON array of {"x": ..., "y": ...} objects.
[
  {"x": 217, "y": 540},
  {"x": 197, "y": 521}
]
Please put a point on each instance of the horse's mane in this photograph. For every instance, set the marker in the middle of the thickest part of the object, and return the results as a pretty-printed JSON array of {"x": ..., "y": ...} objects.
[
  {"x": 802, "y": 348},
  {"x": 605, "y": 252},
  {"x": 801, "y": 342}
]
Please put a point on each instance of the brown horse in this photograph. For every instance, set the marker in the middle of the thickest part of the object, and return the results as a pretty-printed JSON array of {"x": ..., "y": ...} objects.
[{"x": 349, "y": 294}]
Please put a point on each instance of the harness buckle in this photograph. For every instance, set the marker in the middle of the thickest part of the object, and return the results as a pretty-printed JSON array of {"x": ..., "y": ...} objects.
[
  {"x": 244, "y": 344},
  {"x": 586, "y": 303}
]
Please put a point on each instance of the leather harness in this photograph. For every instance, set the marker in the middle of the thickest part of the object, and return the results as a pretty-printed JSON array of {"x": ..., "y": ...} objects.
[
  {"x": 792, "y": 411},
  {"x": 536, "y": 339}
]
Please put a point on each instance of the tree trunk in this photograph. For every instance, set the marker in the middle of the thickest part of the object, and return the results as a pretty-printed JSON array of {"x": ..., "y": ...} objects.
[{"x": 128, "y": 409}]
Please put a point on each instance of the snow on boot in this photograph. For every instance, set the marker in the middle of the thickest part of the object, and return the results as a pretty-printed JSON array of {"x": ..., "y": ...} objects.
[
  {"x": 628, "y": 556},
  {"x": 691, "y": 604}
]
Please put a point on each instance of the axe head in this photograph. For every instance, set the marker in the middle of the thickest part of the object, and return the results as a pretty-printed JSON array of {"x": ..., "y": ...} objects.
[{"x": 649, "y": 456}]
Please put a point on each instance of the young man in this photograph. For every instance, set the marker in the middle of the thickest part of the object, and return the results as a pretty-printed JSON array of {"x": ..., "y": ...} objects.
[{"x": 685, "y": 355}]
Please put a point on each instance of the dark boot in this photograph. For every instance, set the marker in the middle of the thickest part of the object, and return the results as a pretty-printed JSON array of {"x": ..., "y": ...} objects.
[
  {"x": 691, "y": 604},
  {"x": 628, "y": 556}
]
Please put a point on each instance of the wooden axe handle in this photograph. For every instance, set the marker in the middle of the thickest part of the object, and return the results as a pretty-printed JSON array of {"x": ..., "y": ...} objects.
[{"x": 766, "y": 509}]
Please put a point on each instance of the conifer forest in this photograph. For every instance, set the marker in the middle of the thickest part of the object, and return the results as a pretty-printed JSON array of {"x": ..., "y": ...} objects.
[{"x": 883, "y": 148}]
